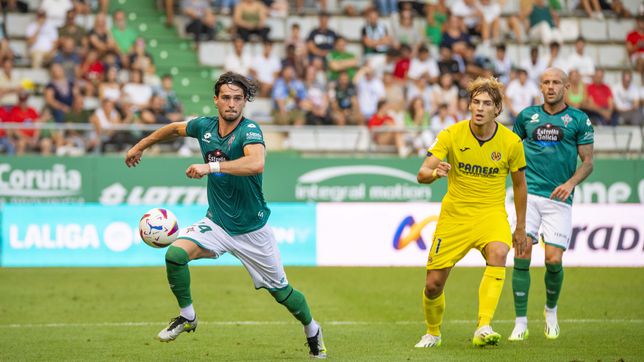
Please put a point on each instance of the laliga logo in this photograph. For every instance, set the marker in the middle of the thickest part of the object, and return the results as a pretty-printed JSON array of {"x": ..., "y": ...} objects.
[{"x": 413, "y": 234}]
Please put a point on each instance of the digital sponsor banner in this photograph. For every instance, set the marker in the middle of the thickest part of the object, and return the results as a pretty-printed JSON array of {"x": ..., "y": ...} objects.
[
  {"x": 96, "y": 235},
  {"x": 399, "y": 234},
  {"x": 161, "y": 180}
]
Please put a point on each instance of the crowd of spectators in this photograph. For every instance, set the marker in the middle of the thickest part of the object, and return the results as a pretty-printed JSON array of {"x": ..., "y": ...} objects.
[
  {"x": 101, "y": 76},
  {"x": 407, "y": 84}
]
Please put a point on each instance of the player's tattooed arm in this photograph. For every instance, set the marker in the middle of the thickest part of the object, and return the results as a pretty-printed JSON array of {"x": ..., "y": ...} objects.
[
  {"x": 563, "y": 191},
  {"x": 432, "y": 169}
]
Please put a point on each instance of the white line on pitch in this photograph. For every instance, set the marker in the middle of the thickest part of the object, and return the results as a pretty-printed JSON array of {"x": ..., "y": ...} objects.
[{"x": 262, "y": 323}]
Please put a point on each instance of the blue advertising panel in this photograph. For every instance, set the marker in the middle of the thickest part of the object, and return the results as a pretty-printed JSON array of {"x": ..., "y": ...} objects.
[{"x": 96, "y": 235}]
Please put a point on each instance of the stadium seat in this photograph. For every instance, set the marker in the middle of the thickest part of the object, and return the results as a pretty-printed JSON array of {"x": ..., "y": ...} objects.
[
  {"x": 619, "y": 28},
  {"x": 37, "y": 102},
  {"x": 259, "y": 110},
  {"x": 569, "y": 28},
  {"x": 612, "y": 56},
  {"x": 19, "y": 47},
  {"x": 278, "y": 32},
  {"x": 307, "y": 23},
  {"x": 38, "y": 76},
  {"x": 17, "y": 24},
  {"x": 213, "y": 53},
  {"x": 325, "y": 139},
  {"x": 510, "y": 8},
  {"x": 620, "y": 139},
  {"x": 594, "y": 30},
  {"x": 350, "y": 27}
]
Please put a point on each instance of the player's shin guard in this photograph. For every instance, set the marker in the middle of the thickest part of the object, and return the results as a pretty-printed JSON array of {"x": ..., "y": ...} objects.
[
  {"x": 295, "y": 302},
  {"x": 176, "y": 266},
  {"x": 521, "y": 286},
  {"x": 434, "y": 310},
  {"x": 554, "y": 280},
  {"x": 489, "y": 293}
]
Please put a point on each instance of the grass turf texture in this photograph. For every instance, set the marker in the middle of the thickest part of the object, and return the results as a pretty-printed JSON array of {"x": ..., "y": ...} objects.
[{"x": 368, "y": 314}]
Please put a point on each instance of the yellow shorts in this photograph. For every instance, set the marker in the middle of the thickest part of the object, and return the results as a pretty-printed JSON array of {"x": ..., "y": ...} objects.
[{"x": 453, "y": 239}]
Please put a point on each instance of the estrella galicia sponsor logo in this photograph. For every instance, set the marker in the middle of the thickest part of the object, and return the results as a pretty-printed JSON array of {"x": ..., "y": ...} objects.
[
  {"x": 547, "y": 135},
  {"x": 495, "y": 156},
  {"x": 216, "y": 156},
  {"x": 477, "y": 170}
]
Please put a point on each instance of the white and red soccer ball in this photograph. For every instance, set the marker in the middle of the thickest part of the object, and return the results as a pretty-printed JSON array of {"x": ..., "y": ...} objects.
[{"x": 158, "y": 228}]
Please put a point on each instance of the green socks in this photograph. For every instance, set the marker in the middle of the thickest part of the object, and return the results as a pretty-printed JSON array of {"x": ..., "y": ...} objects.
[
  {"x": 521, "y": 286},
  {"x": 176, "y": 266},
  {"x": 295, "y": 302},
  {"x": 554, "y": 280}
]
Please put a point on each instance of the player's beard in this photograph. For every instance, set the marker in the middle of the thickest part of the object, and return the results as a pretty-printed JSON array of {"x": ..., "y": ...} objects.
[
  {"x": 230, "y": 117},
  {"x": 555, "y": 101}
]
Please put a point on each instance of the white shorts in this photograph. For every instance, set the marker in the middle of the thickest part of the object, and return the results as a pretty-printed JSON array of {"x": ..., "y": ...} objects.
[
  {"x": 550, "y": 219},
  {"x": 256, "y": 250}
]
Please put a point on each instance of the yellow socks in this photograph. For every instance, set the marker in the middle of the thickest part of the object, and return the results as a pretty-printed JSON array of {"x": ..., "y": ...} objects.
[
  {"x": 434, "y": 309},
  {"x": 489, "y": 293}
]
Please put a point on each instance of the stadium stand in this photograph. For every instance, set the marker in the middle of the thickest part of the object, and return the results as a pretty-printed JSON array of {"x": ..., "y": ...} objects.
[{"x": 194, "y": 66}]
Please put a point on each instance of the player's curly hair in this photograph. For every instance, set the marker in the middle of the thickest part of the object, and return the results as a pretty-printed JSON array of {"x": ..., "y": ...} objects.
[
  {"x": 249, "y": 86},
  {"x": 491, "y": 86}
]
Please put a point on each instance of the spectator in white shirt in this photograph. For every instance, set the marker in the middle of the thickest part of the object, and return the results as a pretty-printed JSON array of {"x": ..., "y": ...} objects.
[
  {"x": 627, "y": 100},
  {"x": 240, "y": 60},
  {"x": 472, "y": 16},
  {"x": 423, "y": 66},
  {"x": 522, "y": 92},
  {"x": 491, "y": 11},
  {"x": 266, "y": 67},
  {"x": 535, "y": 65},
  {"x": 370, "y": 91},
  {"x": 582, "y": 62},
  {"x": 556, "y": 60},
  {"x": 56, "y": 10},
  {"x": 41, "y": 38},
  {"x": 502, "y": 64}
]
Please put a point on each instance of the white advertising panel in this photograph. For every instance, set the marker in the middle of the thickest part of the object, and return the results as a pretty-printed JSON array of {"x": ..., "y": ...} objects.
[{"x": 399, "y": 234}]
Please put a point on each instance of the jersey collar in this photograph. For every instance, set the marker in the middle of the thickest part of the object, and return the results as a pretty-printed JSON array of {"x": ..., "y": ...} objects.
[
  {"x": 481, "y": 142},
  {"x": 543, "y": 109}
]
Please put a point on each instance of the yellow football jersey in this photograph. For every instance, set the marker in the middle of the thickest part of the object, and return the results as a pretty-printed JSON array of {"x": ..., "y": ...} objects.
[{"x": 476, "y": 181}]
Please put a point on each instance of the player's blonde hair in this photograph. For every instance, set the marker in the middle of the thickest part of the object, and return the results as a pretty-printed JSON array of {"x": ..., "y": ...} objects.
[{"x": 491, "y": 86}]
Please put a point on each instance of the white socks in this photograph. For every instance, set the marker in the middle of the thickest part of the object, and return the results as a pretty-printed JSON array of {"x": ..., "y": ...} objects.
[
  {"x": 188, "y": 312},
  {"x": 521, "y": 321},
  {"x": 311, "y": 329}
]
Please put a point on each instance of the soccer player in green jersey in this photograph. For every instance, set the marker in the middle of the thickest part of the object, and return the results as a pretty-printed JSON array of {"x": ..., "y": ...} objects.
[
  {"x": 554, "y": 135},
  {"x": 236, "y": 222}
]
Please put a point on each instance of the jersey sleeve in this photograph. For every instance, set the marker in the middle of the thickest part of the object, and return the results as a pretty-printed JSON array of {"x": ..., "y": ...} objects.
[
  {"x": 252, "y": 134},
  {"x": 516, "y": 160},
  {"x": 585, "y": 132},
  {"x": 192, "y": 129},
  {"x": 440, "y": 147},
  {"x": 519, "y": 126}
]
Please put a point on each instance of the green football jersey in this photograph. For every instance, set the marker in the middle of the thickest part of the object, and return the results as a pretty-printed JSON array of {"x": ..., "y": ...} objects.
[
  {"x": 550, "y": 142},
  {"x": 236, "y": 203}
]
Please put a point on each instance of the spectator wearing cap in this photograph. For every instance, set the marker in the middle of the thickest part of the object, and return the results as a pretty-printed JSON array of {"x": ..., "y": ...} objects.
[
  {"x": 202, "y": 20},
  {"x": 249, "y": 18},
  {"x": 627, "y": 100},
  {"x": 265, "y": 68},
  {"x": 635, "y": 45},
  {"x": 423, "y": 65},
  {"x": 584, "y": 63},
  {"x": 41, "y": 39},
  {"x": 341, "y": 60},
  {"x": 520, "y": 93},
  {"x": 376, "y": 37},
  {"x": 321, "y": 40},
  {"x": 27, "y": 139}
]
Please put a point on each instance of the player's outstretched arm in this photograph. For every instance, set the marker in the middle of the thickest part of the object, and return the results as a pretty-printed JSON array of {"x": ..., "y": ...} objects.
[
  {"x": 519, "y": 238},
  {"x": 432, "y": 169},
  {"x": 563, "y": 191},
  {"x": 167, "y": 132},
  {"x": 252, "y": 163}
]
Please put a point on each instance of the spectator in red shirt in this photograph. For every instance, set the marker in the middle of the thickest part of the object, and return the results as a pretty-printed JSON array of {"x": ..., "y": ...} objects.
[
  {"x": 402, "y": 65},
  {"x": 386, "y": 138},
  {"x": 27, "y": 139},
  {"x": 635, "y": 45},
  {"x": 600, "y": 106},
  {"x": 6, "y": 141}
]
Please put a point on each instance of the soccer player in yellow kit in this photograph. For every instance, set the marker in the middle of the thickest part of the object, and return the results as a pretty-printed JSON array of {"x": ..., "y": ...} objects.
[{"x": 480, "y": 153}]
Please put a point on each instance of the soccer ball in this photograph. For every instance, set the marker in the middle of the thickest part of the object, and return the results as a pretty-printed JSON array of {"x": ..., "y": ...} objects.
[{"x": 158, "y": 228}]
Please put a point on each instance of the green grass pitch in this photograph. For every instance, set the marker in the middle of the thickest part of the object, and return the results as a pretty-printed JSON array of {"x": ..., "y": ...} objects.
[{"x": 368, "y": 314}]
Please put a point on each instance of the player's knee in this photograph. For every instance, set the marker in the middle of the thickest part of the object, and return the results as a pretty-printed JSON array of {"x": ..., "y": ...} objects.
[
  {"x": 176, "y": 255},
  {"x": 281, "y": 295},
  {"x": 434, "y": 288},
  {"x": 526, "y": 253},
  {"x": 553, "y": 259}
]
